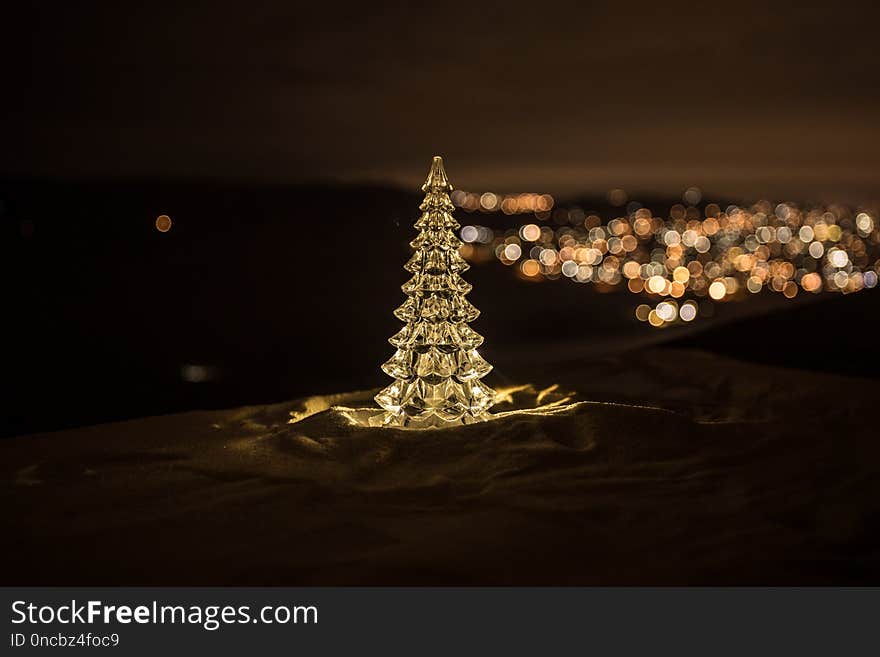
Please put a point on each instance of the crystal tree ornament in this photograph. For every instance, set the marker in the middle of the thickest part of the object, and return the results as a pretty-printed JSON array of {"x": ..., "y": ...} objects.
[{"x": 436, "y": 368}]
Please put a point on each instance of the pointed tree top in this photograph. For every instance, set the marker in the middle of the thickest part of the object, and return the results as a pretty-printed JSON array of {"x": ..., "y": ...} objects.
[{"x": 437, "y": 177}]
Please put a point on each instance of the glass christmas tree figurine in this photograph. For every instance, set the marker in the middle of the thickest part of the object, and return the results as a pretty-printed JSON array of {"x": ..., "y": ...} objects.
[{"x": 436, "y": 368}]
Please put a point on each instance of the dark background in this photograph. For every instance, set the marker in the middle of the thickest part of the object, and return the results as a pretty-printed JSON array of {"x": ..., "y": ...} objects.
[
  {"x": 287, "y": 142},
  {"x": 741, "y": 98}
]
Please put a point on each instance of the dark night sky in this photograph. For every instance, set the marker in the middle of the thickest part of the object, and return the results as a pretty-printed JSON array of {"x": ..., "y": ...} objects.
[{"x": 741, "y": 98}]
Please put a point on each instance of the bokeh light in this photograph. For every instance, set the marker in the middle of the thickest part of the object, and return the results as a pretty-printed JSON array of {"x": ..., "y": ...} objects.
[
  {"x": 685, "y": 260},
  {"x": 163, "y": 223}
]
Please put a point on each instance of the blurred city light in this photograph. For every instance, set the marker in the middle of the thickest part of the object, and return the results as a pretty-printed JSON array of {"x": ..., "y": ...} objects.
[
  {"x": 689, "y": 257},
  {"x": 163, "y": 223}
]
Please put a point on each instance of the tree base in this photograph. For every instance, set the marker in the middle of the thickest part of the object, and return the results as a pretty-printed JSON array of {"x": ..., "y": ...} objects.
[{"x": 403, "y": 421}]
